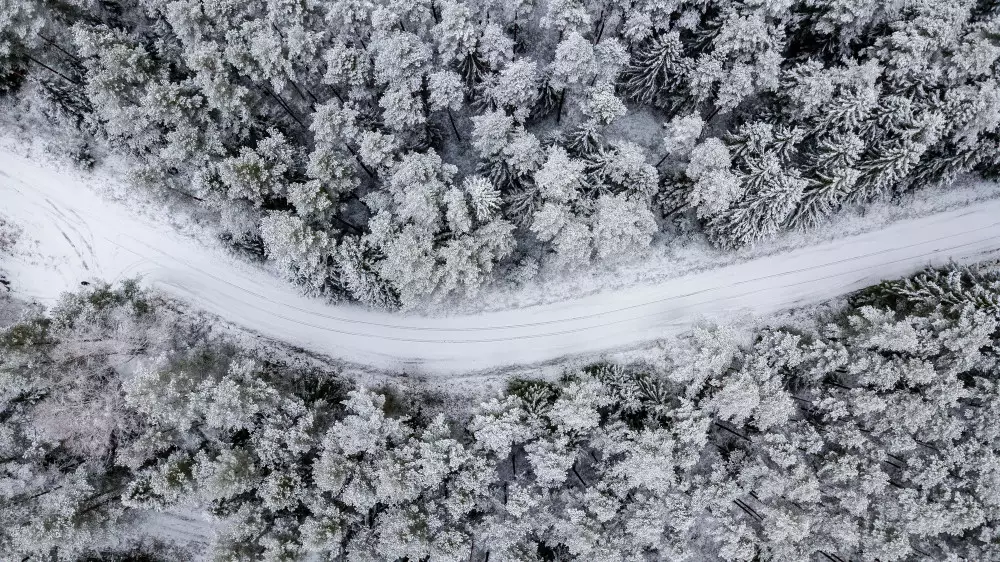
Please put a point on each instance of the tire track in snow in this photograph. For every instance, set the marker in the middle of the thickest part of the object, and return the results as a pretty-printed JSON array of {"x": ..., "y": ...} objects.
[
  {"x": 69, "y": 224},
  {"x": 63, "y": 221}
]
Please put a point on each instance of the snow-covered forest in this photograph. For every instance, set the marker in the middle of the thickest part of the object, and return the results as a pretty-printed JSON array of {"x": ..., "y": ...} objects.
[
  {"x": 421, "y": 155},
  {"x": 398, "y": 152},
  {"x": 864, "y": 430}
]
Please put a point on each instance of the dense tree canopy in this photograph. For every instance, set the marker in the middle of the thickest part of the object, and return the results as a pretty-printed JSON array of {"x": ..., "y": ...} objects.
[
  {"x": 866, "y": 432},
  {"x": 402, "y": 153},
  {"x": 395, "y": 152}
]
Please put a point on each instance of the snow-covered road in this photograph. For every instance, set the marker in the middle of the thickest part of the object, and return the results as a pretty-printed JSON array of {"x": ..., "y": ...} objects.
[{"x": 84, "y": 236}]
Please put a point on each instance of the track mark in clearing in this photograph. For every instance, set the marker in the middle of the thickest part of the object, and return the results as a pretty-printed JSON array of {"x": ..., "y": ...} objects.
[
  {"x": 66, "y": 221},
  {"x": 90, "y": 248},
  {"x": 89, "y": 233},
  {"x": 56, "y": 223},
  {"x": 72, "y": 245}
]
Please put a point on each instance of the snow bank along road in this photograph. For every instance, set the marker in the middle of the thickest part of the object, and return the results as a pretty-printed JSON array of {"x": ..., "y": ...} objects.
[{"x": 81, "y": 236}]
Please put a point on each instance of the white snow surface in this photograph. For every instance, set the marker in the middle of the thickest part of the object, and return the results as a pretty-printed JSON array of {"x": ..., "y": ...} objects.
[
  {"x": 180, "y": 526},
  {"x": 76, "y": 235}
]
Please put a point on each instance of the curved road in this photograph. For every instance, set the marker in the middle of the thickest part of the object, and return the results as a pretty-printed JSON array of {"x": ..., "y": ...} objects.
[{"x": 81, "y": 236}]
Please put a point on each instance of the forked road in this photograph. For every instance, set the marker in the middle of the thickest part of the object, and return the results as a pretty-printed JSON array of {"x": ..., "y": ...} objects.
[{"x": 88, "y": 237}]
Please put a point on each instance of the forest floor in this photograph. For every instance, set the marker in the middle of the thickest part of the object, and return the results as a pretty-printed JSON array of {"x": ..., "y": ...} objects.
[{"x": 74, "y": 235}]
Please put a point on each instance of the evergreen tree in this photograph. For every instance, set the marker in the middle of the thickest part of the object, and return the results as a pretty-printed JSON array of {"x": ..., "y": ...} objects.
[
  {"x": 772, "y": 194},
  {"x": 252, "y": 110},
  {"x": 657, "y": 71}
]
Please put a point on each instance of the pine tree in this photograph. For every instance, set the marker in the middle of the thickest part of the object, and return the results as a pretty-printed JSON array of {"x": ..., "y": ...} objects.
[
  {"x": 771, "y": 195},
  {"x": 833, "y": 178},
  {"x": 949, "y": 288},
  {"x": 306, "y": 254},
  {"x": 514, "y": 89},
  {"x": 656, "y": 71},
  {"x": 622, "y": 168},
  {"x": 258, "y": 174},
  {"x": 681, "y": 135},
  {"x": 715, "y": 186},
  {"x": 887, "y": 169},
  {"x": 357, "y": 273},
  {"x": 623, "y": 227}
]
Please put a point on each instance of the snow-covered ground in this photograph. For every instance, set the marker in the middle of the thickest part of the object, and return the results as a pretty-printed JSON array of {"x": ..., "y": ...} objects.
[
  {"x": 179, "y": 526},
  {"x": 74, "y": 235}
]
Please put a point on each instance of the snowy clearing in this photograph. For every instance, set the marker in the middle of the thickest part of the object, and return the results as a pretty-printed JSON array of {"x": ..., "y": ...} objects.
[
  {"x": 74, "y": 235},
  {"x": 187, "y": 527}
]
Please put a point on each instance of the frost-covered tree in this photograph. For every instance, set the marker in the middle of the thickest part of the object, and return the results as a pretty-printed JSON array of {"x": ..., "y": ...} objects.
[
  {"x": 258, "y": 109},
  {"x": 431, "y": 241},
  {"x": 64, "y": 419},
  {"x": 682, "y": 134},
  {"x": 771, "y": 195},
  {"x": 303, "y": 252},
  {"x": 257, "y": 174},
  {"x": 623, "y": 227},
  {"x": 859, "y": 433},
  {"x": 656, "y": 74}
]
